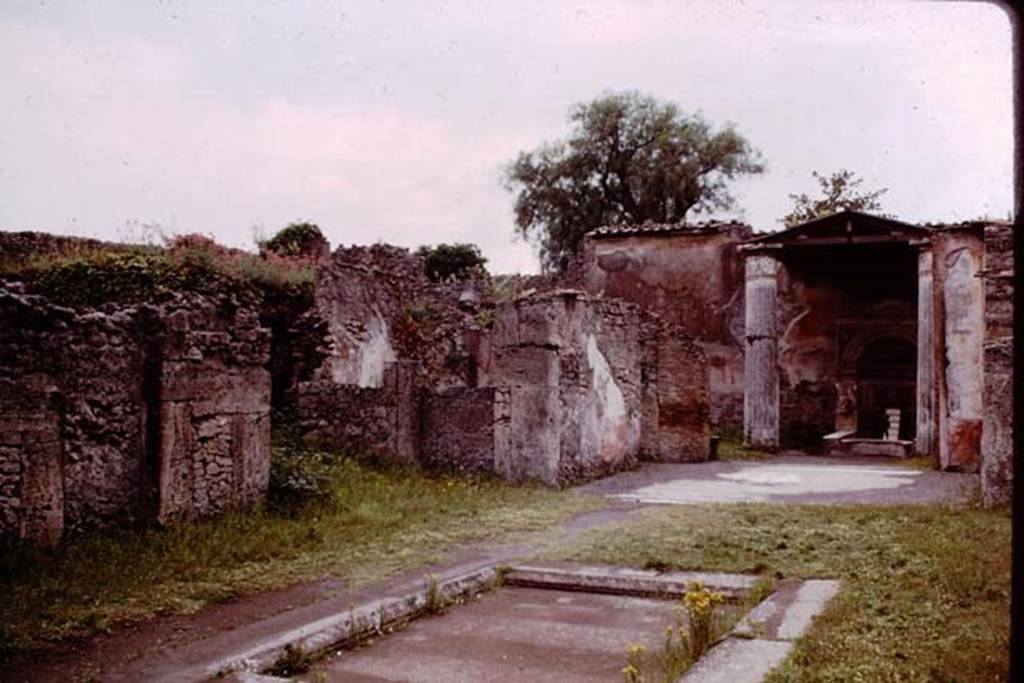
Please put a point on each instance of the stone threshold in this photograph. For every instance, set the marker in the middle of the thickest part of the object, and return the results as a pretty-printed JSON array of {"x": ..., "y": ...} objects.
[{"x": 842, "y": 444}]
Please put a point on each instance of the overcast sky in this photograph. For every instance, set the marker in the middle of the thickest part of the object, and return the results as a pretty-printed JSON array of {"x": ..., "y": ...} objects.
[{"x": 392, "y": 120}]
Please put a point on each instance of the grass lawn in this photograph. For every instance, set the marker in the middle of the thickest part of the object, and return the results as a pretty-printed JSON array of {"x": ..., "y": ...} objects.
[
  {"x": 369, "y": 523},
  {"x": 925, "y": 592}
]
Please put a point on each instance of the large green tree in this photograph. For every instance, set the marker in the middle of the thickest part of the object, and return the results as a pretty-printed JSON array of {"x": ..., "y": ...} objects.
[
  {"x": 839, "y": 192},
  {"x": 628, "y": 159}
]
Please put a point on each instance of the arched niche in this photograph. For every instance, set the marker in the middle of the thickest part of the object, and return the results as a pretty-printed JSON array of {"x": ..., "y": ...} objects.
[{"x": 877, "y": 372}]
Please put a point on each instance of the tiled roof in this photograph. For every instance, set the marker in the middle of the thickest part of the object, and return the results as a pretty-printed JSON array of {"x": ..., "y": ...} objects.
[
  {"x": 965, "y": 224},
  {"x": 667, "y": 228}
]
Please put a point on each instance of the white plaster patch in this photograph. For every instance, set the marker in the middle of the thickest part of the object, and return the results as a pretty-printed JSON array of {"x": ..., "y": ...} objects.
[
  {"x": 762, "y": 483},
  {"x": 373, "y": 355},
  {"x": 605, "y": 425},
  {"x": 763, "y": 477}
]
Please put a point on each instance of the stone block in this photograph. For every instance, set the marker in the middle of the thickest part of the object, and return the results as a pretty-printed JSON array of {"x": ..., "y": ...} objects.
[{"x": 523, "y": 365}]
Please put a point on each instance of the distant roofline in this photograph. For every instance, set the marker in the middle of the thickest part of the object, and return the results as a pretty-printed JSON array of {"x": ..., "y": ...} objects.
[
  {"x": 806, "y": 227},
  {"x": 761, "y": 236},
  {"x": 666, "y": 229}
]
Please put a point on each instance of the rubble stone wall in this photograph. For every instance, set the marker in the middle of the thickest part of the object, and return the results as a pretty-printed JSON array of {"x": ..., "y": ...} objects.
[
  {"x": 214, "y": 408},
  {"x": 573, "y": 365},
  {"x": 382, "y": 420},
  {"x": 128, "y": 412},
  {"x": 72, "y": 417},
  {"x": 675, "y": 401},
  {"x": 997, "y": 428},
  {"x": 378, "y": 306},
  {"x": 460, "y": 428}
]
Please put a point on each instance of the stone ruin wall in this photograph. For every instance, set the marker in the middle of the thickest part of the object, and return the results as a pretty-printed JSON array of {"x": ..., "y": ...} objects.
[
  {"x": 960, "y": 334},
  {"x": 378, "y": 306},
  {"x": 548, "y": 387},
  {"x": 380, "y": 420},
  {"x": 162, "y": 411},
  {"x": 676, "y": 401},
  {"x": 575, "y": 388},
  {"x": 72, "y": 429},
  {"x": 693, "y": 280},
  {"x": 213, "y": 402},
  {"x": 997, "y": 426},
  {"x": 577, "y": 363},
  {"x": 128, "y": 413}
]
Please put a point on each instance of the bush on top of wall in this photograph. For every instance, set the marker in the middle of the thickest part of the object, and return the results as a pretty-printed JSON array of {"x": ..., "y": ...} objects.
[{"x": 137, "y": 273}]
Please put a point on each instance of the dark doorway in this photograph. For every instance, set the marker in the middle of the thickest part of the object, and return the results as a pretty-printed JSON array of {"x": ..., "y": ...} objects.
[{"x": 886, "y": 380}]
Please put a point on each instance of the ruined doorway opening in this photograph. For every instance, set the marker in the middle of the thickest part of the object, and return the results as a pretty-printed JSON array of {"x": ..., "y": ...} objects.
[{"x": 886, "y": 380}]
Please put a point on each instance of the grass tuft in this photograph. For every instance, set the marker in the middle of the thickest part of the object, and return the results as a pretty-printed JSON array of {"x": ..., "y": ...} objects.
[{"x": 731, "y": 447}]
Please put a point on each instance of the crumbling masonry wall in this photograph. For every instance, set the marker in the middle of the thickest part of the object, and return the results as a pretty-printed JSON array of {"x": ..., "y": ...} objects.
[
  {"x": 72, "y": 417},
  {"x": 461, "y": 428},
  {"x": 213, "y": 406},
  {"x": 692, "y": 277},
  {"x": 377, "y": 306},
  {"x": 128, "y": 413},
  {"x": 997, "y": 427},
  {"x": 676, "y": 401},
  {"x": 568, "y": 388},
  {"x": 572, "y": 365},
  {"x": 381, "y": 420}
]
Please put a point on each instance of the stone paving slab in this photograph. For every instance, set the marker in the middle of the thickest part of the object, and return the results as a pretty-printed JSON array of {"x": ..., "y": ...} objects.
[
  {"x": 738, "y": 660},
  {"x": 788, "y": 479},
  {"x": 787, "y": 613},
  {"x": 516, "y": 635}
]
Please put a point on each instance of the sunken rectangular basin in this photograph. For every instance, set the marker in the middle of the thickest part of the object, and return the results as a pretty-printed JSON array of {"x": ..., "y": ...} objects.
[
  {"x": 531, "y": 635},
  {"x": 546, "y": 623}
]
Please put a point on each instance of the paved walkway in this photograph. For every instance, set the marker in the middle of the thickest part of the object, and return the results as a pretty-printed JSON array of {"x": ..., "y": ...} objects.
[{"x": 788, "y": 479}]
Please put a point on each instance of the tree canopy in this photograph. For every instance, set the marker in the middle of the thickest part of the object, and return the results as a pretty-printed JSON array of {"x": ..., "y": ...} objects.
[
  {"x": 840, "y": 192},
  {"x": 629, "y": 159},
  {"x": 447, "y": 262},
  {"x": 299, "y": 239}
]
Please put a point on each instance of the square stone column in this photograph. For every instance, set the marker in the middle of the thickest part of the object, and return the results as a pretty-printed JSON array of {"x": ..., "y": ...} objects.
[
  {"x": 926, "y": 428},
  {"x": 761, "y": 358}
]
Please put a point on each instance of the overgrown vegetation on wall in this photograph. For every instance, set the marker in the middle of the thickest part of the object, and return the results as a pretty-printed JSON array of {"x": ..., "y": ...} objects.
[{"x": 140, "y": 273}]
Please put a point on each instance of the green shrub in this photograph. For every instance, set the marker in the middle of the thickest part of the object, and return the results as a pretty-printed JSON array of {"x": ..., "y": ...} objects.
[
  {"x": 296, "y": 240},
  {"x": 299, "y": 475},
  {"x": 452, "y": 262}
]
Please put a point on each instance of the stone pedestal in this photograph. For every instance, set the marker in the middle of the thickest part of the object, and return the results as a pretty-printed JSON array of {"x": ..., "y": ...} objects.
[{"x": 761, "y": 367}]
